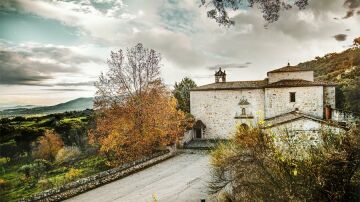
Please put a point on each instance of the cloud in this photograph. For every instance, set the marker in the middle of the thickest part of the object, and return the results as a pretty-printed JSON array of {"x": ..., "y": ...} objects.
[
  {"x": 86, "y": 83},
  {"x": 35, "y": 64},
  {"x": 229, "y": 66},
  {"x": 340, "y": 37},
  {"x": 97, "y": 20},
  {"x": 64, "y": 89}
]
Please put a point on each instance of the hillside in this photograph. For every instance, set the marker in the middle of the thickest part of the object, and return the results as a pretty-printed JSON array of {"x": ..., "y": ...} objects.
[
  {"x": 72, "y": 105},
  {"x": 342, "y": 68}
]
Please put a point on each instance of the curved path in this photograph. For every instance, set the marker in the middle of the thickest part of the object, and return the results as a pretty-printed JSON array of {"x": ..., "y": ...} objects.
[{"x": 181, "y": 178}]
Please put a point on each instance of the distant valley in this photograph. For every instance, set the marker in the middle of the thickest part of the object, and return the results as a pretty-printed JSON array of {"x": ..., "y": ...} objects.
[{"x": 72, "y": 105}]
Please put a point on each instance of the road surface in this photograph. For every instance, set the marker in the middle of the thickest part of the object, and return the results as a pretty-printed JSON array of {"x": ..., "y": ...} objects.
[{"x": 181, "y": 178}]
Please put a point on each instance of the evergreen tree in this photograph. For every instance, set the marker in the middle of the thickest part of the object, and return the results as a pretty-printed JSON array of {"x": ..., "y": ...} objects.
[{"x": 182, "y": 93}]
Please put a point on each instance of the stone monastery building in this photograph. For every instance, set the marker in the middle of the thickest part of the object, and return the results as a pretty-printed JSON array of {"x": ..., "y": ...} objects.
[{"x": 288, "y": 98}]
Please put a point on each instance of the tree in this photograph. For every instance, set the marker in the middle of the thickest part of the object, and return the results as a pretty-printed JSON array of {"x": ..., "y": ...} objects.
[
  {"x": 135, "y": 113},
  {"x": 270, "y": 8},
  {"x": 48, "y": 146},
  {"x": 352, "y": 96},
  {"x": 182, "y": 93},
  {"x": 251, "y": 166},
  {"x": 357, "y": 42}
]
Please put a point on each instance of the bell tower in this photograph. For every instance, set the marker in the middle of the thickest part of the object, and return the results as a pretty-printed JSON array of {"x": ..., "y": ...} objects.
[{"x": 220, "y": 75}]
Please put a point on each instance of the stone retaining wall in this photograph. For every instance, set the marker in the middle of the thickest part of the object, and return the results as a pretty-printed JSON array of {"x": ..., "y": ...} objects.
[{"x": 82, "y": 185}]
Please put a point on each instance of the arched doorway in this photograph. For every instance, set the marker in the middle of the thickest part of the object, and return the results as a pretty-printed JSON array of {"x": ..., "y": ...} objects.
[
  {"x": 244, "y": 126},
  {"x": 199, "y": 128}
]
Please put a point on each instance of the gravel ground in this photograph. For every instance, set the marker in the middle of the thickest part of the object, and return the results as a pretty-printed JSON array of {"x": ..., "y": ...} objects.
[{"x": 181, "y": 178}]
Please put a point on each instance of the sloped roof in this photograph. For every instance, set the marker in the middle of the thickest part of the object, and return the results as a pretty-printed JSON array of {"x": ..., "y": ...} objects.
[
  {"x": 295, "y": 115},
  {"x": 199, "y": 124},
  {"x": 288, "y": 69},
  {"x": 232, "y": 85},
  {"x": 260, "y": 84},
  {"x": 298, "y": 83}
]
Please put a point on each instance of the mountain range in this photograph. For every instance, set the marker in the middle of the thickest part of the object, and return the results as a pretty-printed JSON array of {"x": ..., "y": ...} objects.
[{"x": 78, "y": 104}]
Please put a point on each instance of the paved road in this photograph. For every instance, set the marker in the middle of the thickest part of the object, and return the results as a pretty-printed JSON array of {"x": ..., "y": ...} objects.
[{"x": 181, "y": 178}]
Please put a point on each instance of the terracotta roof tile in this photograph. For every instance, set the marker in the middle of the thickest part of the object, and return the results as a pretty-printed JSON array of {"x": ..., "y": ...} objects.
[
  {"x": 259, "y": 84},
  {"x": 288, "y": 69},
  {"x": 298, "y": 83},
  {"x": 233, "y": 85}
]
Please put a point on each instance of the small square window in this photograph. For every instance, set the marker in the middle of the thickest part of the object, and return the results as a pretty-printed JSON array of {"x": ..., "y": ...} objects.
[{"x": 292, "y": 97}]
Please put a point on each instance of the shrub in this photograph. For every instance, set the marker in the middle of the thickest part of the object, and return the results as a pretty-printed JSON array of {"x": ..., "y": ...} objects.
[
  {"x": 35, "y": 169},
  {"x": 250, "y": 166},
  {"x": 3, "y": 162},
  {"x": 57, "y": 180},
  {"x": 48, "y": 146},
  {"x": 45, "y": 184},
  {"x": 25, "y": 169},
  {"x": 73, "y": 174},
  {"x": 67, "y": 154},
  {"x": 3, "y": 184}
]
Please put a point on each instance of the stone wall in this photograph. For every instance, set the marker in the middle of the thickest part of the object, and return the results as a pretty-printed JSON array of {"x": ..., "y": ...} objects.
[
  {"x": 309, "y": 100},
  {"x": 303, "y": 134},
  {"x": 329, "y": 96},
  {"x": 304, "y": 75},
  {"x": 345, "y": 116},
  {"x": 88, "y": 183},
  {"x": 217, "y": 109}
]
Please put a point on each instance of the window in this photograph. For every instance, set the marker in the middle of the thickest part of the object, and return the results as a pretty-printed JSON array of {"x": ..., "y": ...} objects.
[
  {"x": 292, "y": 97},
  {"x": 243, "y": 111}
]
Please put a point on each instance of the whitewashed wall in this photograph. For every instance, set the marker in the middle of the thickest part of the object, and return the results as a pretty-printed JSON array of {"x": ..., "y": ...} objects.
[
  {"x": 309, "y": 100},
  {"x": 217, "y": 109},
  {"x": 278, "y": 76}
]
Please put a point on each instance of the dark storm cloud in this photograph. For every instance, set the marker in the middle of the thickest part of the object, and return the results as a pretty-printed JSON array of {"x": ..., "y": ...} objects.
[
  {"x": 340, "y": 37},
  {"x": 16, "y": 69},
  {"x": 34, "y": 65},
  {"x": 87, "y": 83},
  {"x": 8, "y": 5},
  {"x": 229, "y": 66},
  {"x": 63, "y": 55}
]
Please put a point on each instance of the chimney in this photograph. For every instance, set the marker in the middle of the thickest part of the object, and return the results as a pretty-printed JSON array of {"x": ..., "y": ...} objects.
[{"x": 328, "y": 112}]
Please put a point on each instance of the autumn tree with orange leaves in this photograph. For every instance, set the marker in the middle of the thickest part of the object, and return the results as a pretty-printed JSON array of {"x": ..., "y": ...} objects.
[
  {"x": 48, "y": 146},
  {"x": 135, "y": 113}
]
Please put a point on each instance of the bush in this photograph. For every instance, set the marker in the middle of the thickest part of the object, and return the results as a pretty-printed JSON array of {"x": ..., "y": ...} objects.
[
  {"x": 73, "y": 174},
  {"x": 35, "y": 169},
  {"x": 3, "y": 162},
  {"x": 3, "y": 184},
  {"x": 251, "y": 166},
  {"x": 67, "y": 154},
  {"x": 48, "y": 146},
  {"x": 45, "y": 184}
]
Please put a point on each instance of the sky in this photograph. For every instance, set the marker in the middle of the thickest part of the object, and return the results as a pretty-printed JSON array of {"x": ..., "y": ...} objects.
[{"x": 52, "y": 51}]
